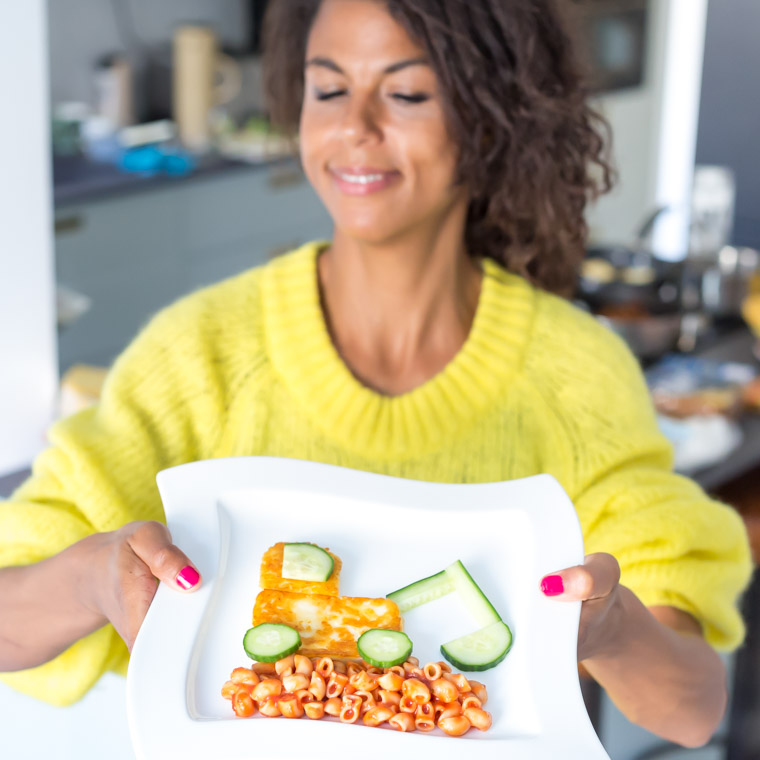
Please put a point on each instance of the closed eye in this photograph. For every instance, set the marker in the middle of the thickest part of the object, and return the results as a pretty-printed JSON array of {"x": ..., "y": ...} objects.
[
  {"x": 329, "y": 95},
  {"x": 417, "y": 98}
]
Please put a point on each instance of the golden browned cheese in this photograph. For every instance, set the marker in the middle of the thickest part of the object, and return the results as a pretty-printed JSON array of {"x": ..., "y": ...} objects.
[
  {"x": 328, "y": 625},
  {"x": 271, "y": 575}
]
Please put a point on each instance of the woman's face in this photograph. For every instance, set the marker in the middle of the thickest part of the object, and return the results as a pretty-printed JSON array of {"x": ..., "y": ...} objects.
[{"x": 373, "y": 137}]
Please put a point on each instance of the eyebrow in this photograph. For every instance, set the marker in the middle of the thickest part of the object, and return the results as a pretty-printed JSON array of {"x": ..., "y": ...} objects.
[{"x": 327, "y": 63}]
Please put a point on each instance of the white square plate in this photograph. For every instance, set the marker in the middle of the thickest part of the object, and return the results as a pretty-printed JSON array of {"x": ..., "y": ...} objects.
[{"x": 389, "y": 532}]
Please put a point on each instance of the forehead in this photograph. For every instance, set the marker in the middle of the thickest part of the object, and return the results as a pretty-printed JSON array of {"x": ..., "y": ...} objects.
[{"x": 359, "y": 31}]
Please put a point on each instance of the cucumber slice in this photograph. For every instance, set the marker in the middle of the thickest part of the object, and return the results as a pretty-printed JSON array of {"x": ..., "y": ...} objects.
[
  {"x": 481, "y": 650},
  {"x": 306, "y": 562},
  {"x": 384, "y": 648},
  {"x": 476, "y": 601},
  {"x": 269, "y": 642},
  {"x": 422, "y": 591}
]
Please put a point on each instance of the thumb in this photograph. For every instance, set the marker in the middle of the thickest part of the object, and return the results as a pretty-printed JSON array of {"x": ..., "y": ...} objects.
[{"x": 152, "y": 543}]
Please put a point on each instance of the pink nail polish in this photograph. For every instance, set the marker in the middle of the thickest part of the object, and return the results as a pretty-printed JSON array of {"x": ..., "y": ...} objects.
[
  {"x": 187, "y": 577},
  {"x": 552, "y": 585}
]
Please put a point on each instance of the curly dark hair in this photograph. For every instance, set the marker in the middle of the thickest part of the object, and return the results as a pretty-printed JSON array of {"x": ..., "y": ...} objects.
[{"x": 532, "y": 152}]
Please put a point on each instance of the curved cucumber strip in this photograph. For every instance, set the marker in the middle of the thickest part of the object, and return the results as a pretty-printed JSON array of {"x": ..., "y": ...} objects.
[
  {"x": 481, "y": 650},
  {"x": 269, "y": 642},
  {"x": 476, "y": 601},
  {"x": 306, "y": 562},
  {"x": 384, "y": 648},
  {"x": 422, "y": 591}
]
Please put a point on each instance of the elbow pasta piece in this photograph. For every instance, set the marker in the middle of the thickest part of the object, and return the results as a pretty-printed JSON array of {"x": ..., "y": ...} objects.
[
  {"x": 303, "y": 665},
  {"x": 295, "y": 682},
  {"x": 391, "y": 682},
  {"x": 263, "y": 668},
  {"x": 374, "y": 671},
  {"x": 402, "y": 722},
  {"x": 285, "y": 666},
  {"x": 325, "y": 667},
  {"x": 332, "y": 706},
  {"x": 480, "y": 691},
  {"x": 413, "y": 671},
  {"x": 425, "y": 710},
  {"x": 304, "y": 696},
  {"x": 269, "y": 687},
  {"x": 314, "y": 710},
  {"x": 317, "y": 686},
  {"x": 445, "y": 667},
  {"x": 348, "y": 714},
  {"x": 415, "y": 689},
  {"x": 269, "y": 707},
  {"x": 244, "y": 676},
  {"x": 229, "y": 689},
  {"x": 289, "y": 705},
  {"x": 362, "y": 681},
  {"x": 471, "y": 701},
  {"x": 478, "y": 718},
  {"x": 413, "y": 660},
  {"x": 368, "y": 701},
  {"x": 398, "y": 670},
  {"x": 455, "y": 726},
  {"x": 242, "y": 704},
  {"x": 352, "y": 668},
  {"x": 339, "y": 666},
  {"x": 389, "y": 697},
  {"x": 454, "y": 711},
  {"x": 432, "y": 671},
  {"x": 336, "y": 684},
  {"x": 377, "y": 715},
  {"x": 421, "y": 723},
  {"x": 444, "y": 690},
  {"x": 407, "y": 705},
  {"x": 459, "y": 681}
]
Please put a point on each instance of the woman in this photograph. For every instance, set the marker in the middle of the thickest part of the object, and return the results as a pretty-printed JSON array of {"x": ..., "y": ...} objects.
[{"x": 451, "y": 144}]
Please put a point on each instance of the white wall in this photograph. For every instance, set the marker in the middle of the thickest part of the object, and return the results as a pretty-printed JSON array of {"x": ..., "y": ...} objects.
[
  {"x": 654, "y": 131},
  {"x": 28, "y": 366}
]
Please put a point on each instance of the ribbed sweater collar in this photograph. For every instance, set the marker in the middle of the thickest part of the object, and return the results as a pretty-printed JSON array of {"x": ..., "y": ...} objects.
[{"x": 363, "y": 420}]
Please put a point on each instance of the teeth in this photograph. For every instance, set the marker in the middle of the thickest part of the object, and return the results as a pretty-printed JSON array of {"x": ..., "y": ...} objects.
[{"x": 361, "y": 179}]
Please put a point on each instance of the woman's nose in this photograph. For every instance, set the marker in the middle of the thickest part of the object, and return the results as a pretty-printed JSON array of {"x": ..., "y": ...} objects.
[{"x": 361, "y": 122}]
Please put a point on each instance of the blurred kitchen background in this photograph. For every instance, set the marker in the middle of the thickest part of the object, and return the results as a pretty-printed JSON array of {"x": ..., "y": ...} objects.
[{"x": 138, "y": 165}]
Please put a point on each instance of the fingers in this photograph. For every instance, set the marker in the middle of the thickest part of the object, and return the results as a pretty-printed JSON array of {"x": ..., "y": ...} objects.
[
  {"x": 151, "y": 542},
  {"x": 596, "y": 578}
]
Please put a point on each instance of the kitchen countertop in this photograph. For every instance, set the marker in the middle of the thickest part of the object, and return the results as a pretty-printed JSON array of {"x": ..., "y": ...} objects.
[{"x": 77, "y": 179}]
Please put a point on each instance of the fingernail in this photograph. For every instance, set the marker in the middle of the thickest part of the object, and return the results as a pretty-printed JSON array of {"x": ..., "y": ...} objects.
[
  {"x": 552, "y": 585},
  {"x": 187, "y": 577}
]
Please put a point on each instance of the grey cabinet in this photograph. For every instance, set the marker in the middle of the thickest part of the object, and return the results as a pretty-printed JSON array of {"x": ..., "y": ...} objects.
[{"x": 135, "y": 253}]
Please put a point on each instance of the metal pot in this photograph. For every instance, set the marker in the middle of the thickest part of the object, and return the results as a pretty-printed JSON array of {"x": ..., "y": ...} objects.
[{"x": 724, "y": 284}]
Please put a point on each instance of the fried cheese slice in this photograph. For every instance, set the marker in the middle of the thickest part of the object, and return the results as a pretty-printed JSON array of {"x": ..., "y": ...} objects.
[
  {"x": 328, "y": 625},
  {"x": 271, "y": 575}
]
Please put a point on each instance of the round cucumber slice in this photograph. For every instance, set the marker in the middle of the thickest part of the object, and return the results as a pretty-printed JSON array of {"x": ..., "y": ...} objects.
[
  {"x": 269, "y": 642},
  {"x": 481, "y": 650},
  {"x": 384, "y": 648},
  {"x": 306, "y": 562}
]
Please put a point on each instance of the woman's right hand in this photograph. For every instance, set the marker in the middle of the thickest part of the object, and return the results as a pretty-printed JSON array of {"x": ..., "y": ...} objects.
[{"x": 127, "y": 565}]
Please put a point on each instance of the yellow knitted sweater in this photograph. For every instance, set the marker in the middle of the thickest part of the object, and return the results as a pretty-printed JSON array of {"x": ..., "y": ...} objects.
[{"x": 246, "y": 367}]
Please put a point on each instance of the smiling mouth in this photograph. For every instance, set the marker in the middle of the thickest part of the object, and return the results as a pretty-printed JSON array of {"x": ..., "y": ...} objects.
[{"x": 363, "y": 181}]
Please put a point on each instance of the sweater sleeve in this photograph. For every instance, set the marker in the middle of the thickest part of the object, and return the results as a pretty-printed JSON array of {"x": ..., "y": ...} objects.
[
  {"x": 675, "y": 546},
  {"x": 159, "y": 408}
]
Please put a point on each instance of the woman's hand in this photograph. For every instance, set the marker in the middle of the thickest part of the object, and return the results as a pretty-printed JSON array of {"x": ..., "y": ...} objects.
[
  {"x": 596, "y": 583},
  {"x": 126, "y": 567}
]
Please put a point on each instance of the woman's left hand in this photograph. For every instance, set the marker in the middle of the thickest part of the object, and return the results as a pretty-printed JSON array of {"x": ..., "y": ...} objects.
[{"x": 596, "y": 583}]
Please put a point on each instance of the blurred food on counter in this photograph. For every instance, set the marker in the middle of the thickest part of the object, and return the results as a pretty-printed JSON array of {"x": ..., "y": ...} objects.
[{"x": 687, "y": 386}]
